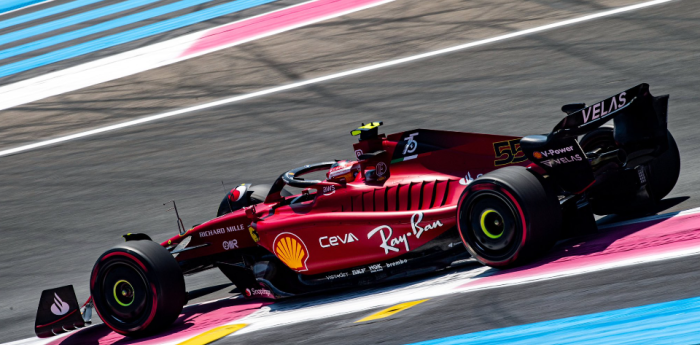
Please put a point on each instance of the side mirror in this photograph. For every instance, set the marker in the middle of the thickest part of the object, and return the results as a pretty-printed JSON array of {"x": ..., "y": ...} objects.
[{"x": 250, "y": 212}]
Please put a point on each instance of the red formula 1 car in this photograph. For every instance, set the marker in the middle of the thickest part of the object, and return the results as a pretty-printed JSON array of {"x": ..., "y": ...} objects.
[{"x": 411, "y": 203}]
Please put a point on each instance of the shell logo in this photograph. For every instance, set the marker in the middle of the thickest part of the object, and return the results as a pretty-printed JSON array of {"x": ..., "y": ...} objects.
[
  {"x": 537, "y": 155},
  {"x": 291, "y": 250}
]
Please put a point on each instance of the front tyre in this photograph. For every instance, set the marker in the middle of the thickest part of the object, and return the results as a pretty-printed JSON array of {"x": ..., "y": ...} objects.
[
  {"x": 508, "y": 217},
  {"x": 137, "y": 288}
]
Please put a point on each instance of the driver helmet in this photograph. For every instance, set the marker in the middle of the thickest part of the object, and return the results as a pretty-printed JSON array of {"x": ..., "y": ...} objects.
[{"x": 343, "y": 169}]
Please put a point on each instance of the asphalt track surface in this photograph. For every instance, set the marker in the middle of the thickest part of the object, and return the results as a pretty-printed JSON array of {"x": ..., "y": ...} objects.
[{"x": 63, "y": 205}]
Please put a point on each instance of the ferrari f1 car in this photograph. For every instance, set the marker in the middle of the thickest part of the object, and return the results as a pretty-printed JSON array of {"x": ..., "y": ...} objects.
[{"x": 410, "y": 203}]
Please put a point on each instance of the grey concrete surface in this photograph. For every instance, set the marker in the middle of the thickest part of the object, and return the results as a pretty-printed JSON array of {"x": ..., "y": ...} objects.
[
  {"x": 60, "y": 207},
  {"x": 397, "y": 29}
]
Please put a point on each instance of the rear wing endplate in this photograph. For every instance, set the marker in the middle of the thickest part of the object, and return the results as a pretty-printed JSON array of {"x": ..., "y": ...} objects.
[{"x": 58, "y": 312}]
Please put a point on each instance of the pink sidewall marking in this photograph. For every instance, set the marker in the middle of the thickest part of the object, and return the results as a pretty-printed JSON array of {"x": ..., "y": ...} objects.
[
  {"x": 193, "y": 321},
  {"x": 273, "y": 22},
  {"x": 626, "y": 242}
]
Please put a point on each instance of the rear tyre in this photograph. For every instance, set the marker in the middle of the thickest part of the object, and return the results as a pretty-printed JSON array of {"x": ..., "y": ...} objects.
[
  {"x": 508, "y": 217},
  {"x": 663, "y": 173},
  {"x": 137, "y": 288}
]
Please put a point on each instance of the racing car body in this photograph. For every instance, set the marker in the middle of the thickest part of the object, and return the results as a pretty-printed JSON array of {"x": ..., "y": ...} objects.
[
  {"x": 404, "y": 198},
  {"x": 413, "y": 202}
]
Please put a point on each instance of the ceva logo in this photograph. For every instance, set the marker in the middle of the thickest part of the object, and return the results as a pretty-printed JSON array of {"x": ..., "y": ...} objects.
[
  {"x": 59, "y": 307},
  {"x": 291, "y": 250},
  {"x": 332, "y": 241}
]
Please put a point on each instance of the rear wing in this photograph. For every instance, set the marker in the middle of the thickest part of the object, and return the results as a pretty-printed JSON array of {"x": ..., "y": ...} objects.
[
  {"x": 636, "y": 108},
  {"x": 640, "y": 127}
]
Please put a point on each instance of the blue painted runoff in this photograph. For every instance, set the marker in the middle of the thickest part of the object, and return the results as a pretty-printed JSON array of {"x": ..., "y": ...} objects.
[
  {"x": 676, "y": 322},
  {"x": 45, "y": 12},
  {"x": 128, "y": 36},
  {"x": 72, "y": 20},
  {"x": 11, "y": 5},
  {"x": 101, "y": 27}
]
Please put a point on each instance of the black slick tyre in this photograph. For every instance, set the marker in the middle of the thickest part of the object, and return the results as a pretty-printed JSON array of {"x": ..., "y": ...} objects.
[
  {"x": 662, "y": 175},
  {"x": 664, "y": 171},
  {"x": 137, "y": 288},
  {"x": 508, "y": 217}
]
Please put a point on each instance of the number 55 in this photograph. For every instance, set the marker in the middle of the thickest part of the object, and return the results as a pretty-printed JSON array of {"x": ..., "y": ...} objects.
[{"x": 511, "y": 150}]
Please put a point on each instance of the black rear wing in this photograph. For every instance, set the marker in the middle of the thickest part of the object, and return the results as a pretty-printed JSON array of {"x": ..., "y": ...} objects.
[
  {"x": 640, "y": 129},
  {"x": 635, "y": 109}
]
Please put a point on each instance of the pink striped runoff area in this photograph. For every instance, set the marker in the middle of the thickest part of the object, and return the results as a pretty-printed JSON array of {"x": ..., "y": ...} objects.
[
  {"x": 618, "y": 245},
  {"x": 271, "y": 23}
]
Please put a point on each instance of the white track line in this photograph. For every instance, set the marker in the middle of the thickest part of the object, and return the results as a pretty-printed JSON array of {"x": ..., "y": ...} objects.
[
  {"x": 333, "y": 76},
  {"x": 26, "y": 7}
]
